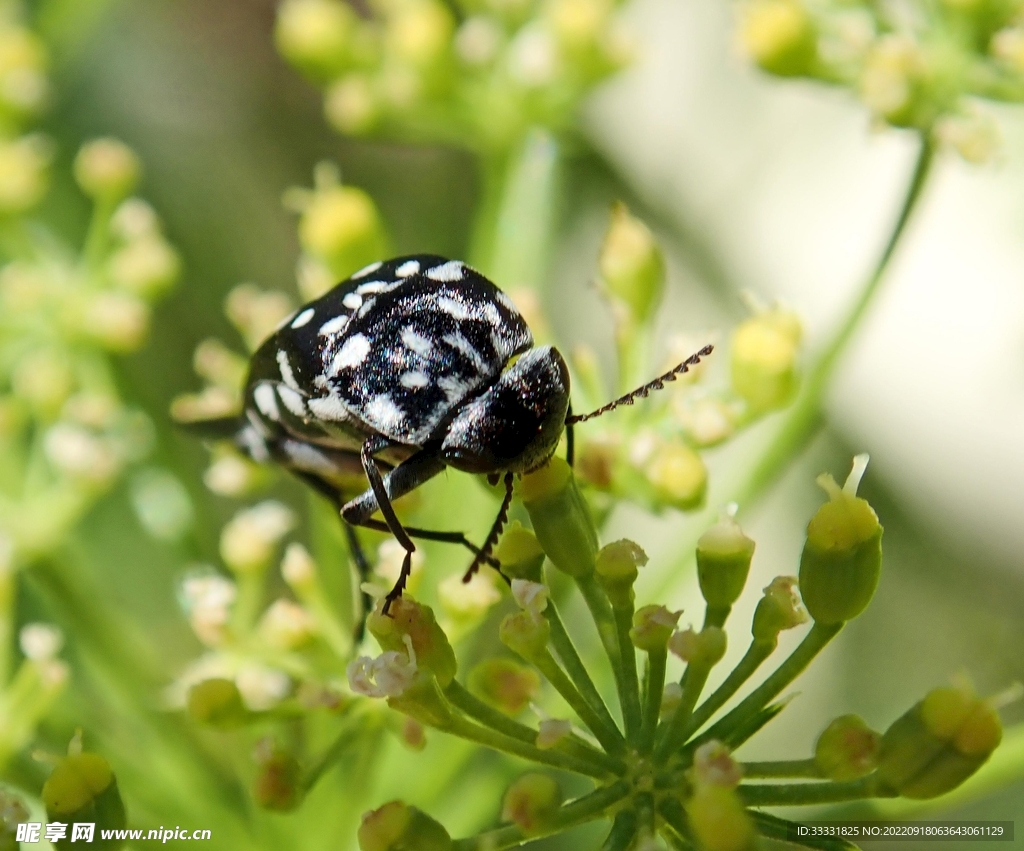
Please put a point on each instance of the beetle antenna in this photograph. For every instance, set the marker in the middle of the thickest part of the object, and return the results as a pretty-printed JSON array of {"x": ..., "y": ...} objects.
[
  {"x": 644, "y": 390},
  {"x": 493, "y": 535}
]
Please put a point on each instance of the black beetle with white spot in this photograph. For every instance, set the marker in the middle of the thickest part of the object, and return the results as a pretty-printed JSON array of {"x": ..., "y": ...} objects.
[{"x": 406, "y": 368}]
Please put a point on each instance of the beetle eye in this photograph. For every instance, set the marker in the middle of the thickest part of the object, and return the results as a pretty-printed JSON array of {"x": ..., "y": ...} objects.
[{"x": 517, "y": 423}]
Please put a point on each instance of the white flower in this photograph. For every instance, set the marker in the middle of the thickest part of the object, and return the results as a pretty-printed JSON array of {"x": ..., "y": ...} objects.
[
  {"x": 478, "y": 40},
  {"x": 468, "y": 600},
  {"x": 671, "y": 697},
  {"x": 40, "y": 642},
  {"x": 531, "y": 596},
  {"x": 247, "y": 542},
  {"x": 207, "y": 600},
  {"x": 533, "y": 56},
  {"x": 713, "y": 764},
  {"x": 230, "y": 475},
  {"x": 298, "y": 567},
  {"x": 261, "y": 687},
  {"x": 389, "y": 675},
  {"x": 390, "y": 555},
  {"x": 78, "y": 453},
  {"x": 684, "y": 643},
  {"x": 286, "y": 625}
]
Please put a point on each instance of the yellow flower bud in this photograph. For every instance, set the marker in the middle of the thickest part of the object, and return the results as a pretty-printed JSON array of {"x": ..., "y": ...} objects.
[
  {"x": 525, "y": 633},
  {"x": 23, "y": 173},
  {"x": 704, "y": 648},
  {"x": 678, "y": 476},
  {"x": 520, "y": 553},
  {"x": 719, "y": 820},
  {"x": 23, "y": 85},
  {"x": 342, "y": 227},
  {"x": 764, "y": 352},
  {"x": 975, "y": 137},
  {"x": 779, "y": 36},
  {"x": 653, "y": 627},
  {"x": 1008, "y": 47},
  {"x": 892, "y": 81},
  {"x": 561, "y": 518},
  {"x": 419, "y": 32},
  {"x": 107, "y": 170},
  {"x": 531, "y": 802},
  {"x": 12, "y": 813},
  {"x": 351, "y": 104},
  {"x": 399, "y": 827},
  {"x": 631, "y": 264},
  {"x": 939, "y": 743},
  {"x": 315, "y": 35},
  {"x": 842, "y": 556},
  {"x": 145, "y": 267}
]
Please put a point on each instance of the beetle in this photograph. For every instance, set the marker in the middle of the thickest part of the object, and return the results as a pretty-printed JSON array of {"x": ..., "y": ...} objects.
[{"x": 406, "y": 368}]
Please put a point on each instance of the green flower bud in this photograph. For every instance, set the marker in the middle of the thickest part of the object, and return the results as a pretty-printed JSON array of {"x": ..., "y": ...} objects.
[
  {"x": 413, "y": 736},
  {"x": 653, "y": 627},
  {"x": 847, "y": 749},
  {"x": 723, "y": 561},
  {"x": 939, "y": 743},
  {"x": 616, "y": 568},
  {"x": 352, "y": 105},
  {"x": 531, "y": 802},
  {"x": 419, "y": 33},
  {"x": 278, "y": 783},
  {"x": 406, "y": 617},
  {"x": 520, "y": 553},
  {"x": 894, "y": 82},
  {"x": 779, "y": 36},
  {"x": 718, "y": 819},
  {"x": 842, "y": 556},
  {"x": 778, "y": 609},
  {"x": 764, "y": 352},
  {"x": 525, "y": 633},
  {"x": 399, "y": 827},
  {"x": 82, "y": 788},
  {"x": 217, "y": 702},
  {"x": 704, "y": 648},
  {"x": 145, "y": 267},
  {"x": 504, "y": 684},
  {"x": 561, "y": 518},
  {"x": 23, "y": 85},
  {"x": 107, "y": 170},
  {"x": 341, "y": 225},
  {"x": 678, "y": 476},
  {"x": 314, "y": 35},
  {"x": 12, "y": 813},
  {"x": 631, "y": 264}
]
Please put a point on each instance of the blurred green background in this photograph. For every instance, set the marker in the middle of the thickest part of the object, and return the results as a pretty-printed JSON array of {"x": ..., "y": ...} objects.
[{"x": 750, "y": 183}]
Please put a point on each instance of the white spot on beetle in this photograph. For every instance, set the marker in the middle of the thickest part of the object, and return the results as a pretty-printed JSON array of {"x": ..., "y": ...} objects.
[
  {"x": 492, "y": 316},
  {"x": 253, "y": 443},
  {"x": 374, "y": 287},
  {"x": 382, "y": 413},
  {"x": 456, "y": 309},
  {"x": 353, "y": 301},
  {"x": 414, "y": 379},
  {"x": 286, "y": 369},
  {"x": 303, "y": 318},
  {"x": 416, "y": 342},
  {"x": 293, "y": 401},
  {"x": 353, "y": 353},
  {"x": 408, "y": 269},
  {"x": 455, "y": 389},
  {"x": 266, "y": 401},
  {"x": 333, "y": 326},
  {"x": 453, "y": 270},
  {"x": 307, "y": 457},
  {"x": 328, "y": 408},
  {"x": 366, "y": 270},
  {"x": 504, "y": 299},
  {"x": 458, "y": 341}
]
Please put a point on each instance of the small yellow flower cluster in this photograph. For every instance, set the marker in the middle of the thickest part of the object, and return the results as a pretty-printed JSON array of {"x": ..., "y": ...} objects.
[
  {"x": 919, "y": 65},
  {"x": 476, "y": 73}
]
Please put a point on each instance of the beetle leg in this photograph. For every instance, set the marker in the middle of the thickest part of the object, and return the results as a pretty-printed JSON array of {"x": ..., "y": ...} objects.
[
  {"x": 570, "y": 441},
  {"x": 493, "y": 535}
]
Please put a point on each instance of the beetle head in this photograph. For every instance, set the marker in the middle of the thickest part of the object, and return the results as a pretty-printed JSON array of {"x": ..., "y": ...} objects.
[{"x": 515, "y": 425}]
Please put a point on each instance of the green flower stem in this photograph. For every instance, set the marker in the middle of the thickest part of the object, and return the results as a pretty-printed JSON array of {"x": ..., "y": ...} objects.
[
  {"x": 623, "y": 832},
  {"x": 588, "y": 808},
  {"x": 781, "y": 768},
  {"x": 466, "y": 729},
  {"x": 608, "y": 631},
  {"x": 491, "y": 717},
  {"x": 575, "y": 668},
  {"x": 693, "y": 684},
  {"x": 632, "y": 711},
  {"x": 751, "y": 661},
  {"x": 249, "y": 602},
  {"x": 97, "y": 239},
  {"x": 801, "y": 794},
  {"x": 338, "y": 748},
  {"x": 800, "y": 658},
  {"x": 671, "y": 810},
  {"x": 656, "y": 662},
  {"x": 611, "y": 741},
  {"x": 716, "y": 616},
  {"x": 512, "y": 236}
]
